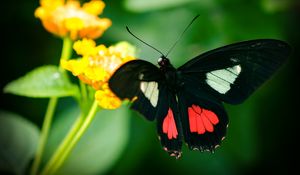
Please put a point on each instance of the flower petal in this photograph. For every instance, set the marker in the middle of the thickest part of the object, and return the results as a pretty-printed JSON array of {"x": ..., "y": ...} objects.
[{"x": 93, "y": 7}]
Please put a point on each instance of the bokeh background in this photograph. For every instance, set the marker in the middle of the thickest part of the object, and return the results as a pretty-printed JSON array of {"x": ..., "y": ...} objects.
[{"x": 263, "y": 132}]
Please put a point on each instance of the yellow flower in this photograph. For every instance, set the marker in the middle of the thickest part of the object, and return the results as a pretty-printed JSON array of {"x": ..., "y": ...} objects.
[
  {"x": 96, "y": 66},
  {"x": 70, "y": 19},
  {"x": 107, "y": 99}
]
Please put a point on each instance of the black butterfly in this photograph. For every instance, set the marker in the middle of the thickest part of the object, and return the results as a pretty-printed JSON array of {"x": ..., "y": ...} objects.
[{"x": 187, "y": 101}]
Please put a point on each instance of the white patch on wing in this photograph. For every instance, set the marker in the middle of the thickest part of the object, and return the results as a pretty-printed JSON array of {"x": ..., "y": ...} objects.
[
  {"x": 220, "y": 80},
  {"x": 150, "y": 90},
  {"x": 234, "y": 60},
  {"x": 141, "y": 76}
]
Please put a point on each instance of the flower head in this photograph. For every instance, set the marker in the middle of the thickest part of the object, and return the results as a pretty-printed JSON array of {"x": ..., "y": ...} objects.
[
  {"x": 96, "y": 66},
  {"x": 107, "y": 99},
  {"x": 70, "y": 19}
]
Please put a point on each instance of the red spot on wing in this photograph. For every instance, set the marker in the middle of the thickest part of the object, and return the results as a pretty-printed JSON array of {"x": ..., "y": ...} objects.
[
  {"x": 211, "y": 116},
  {"x": 208, "y": 126},
  {"x": 192, "y": 120},
  {"x": 169, "y": 125},
  {"x": 201, "y": 120},
  {"x": 200, "y": 126}
]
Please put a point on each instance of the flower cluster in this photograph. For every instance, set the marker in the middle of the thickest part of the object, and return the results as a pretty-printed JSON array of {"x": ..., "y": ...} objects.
[
  {"x": 78, "y": 24},
  {"x": 71, "y": 19},
  {"x": 97, "y": 65},
  {"x": 67, "y": 18}
]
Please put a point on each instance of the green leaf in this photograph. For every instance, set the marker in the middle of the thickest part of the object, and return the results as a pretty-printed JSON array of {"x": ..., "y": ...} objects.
[
  {"x": 99, "y": 148},
  {"x": 18, "y": 142},
  {"x": 45, "y": 81}
]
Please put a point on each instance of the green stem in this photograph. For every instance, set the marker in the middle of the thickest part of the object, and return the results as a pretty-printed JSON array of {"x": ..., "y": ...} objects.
[
  {"x": 44, "y": 135},
  {"x": 83, "y": 91},
  {"x": 61, "y": 148},
  {"x": 65, "y": 54},
  {"x": 64, "y": 155},
  {"x": 67, "y": 49}
]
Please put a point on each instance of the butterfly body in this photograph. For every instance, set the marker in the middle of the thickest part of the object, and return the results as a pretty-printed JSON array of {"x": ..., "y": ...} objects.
[
  {"x": 187, "y": 102},
  {"x": 170, "y": 74}
]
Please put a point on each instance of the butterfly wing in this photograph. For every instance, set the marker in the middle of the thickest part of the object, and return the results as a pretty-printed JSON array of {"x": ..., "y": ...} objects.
[
  {"x": 168, "y": 123},
  {"x": 204, "y": 120},
  {"x": 234, "y": 72},
  {"x": 138, "y": 80},
  {"x": 154, "y": 100},
  {"x": 125, "y": 82}
]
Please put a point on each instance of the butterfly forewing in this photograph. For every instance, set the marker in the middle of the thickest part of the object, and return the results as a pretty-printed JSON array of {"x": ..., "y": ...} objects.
[
  {"x": 234, "y": 72},
  {"x": 126, "y": 80},
  {"x": 139, "y": 81}
]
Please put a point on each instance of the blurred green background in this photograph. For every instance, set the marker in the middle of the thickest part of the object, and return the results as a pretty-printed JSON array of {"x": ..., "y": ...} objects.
[{"x": 263, "y": 131}]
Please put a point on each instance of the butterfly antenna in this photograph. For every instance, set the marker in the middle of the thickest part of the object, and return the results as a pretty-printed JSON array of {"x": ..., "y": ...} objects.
[
  {"x": 182, "y": 34},
  {"x": 143, "y": 41}
]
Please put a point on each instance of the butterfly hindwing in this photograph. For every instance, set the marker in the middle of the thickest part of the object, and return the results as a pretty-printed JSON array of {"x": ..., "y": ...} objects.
[
  {"x": 168, "y": 123},
  {"x": 204, "y": 120},
  {"x": 234, "y": 72}
]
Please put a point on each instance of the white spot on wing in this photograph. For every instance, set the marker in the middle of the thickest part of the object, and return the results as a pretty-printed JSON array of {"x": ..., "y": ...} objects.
[
  {"x": 233, "y": 60},
  {"x": 143, "y": 86},
  {"x": 221, "y": 87},
  {"x": 220, "y": 80},
  {"x": 150, "y": 90},
  {"x": 238, "y": 69},
  {"x": 141, "y": 76},
  {"x": 154, "y": 96}
]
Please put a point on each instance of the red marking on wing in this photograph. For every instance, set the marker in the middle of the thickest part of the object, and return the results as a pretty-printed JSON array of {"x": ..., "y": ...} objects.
[
  {"x": 208, "y": 126},
  {"x": 169, "y": 125},
  {"x": 201, "y": 120},
  {"x": 192, "y": 120},
  {"x": 213, "y": 118},
  {"x": 200, "y": 126}
]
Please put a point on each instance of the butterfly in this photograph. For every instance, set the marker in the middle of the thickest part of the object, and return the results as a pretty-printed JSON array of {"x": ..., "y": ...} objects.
[{"x": 187, "y": 102}]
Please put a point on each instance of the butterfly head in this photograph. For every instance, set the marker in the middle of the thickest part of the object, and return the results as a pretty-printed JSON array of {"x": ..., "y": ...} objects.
[{"x": 163, "y": 61}]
